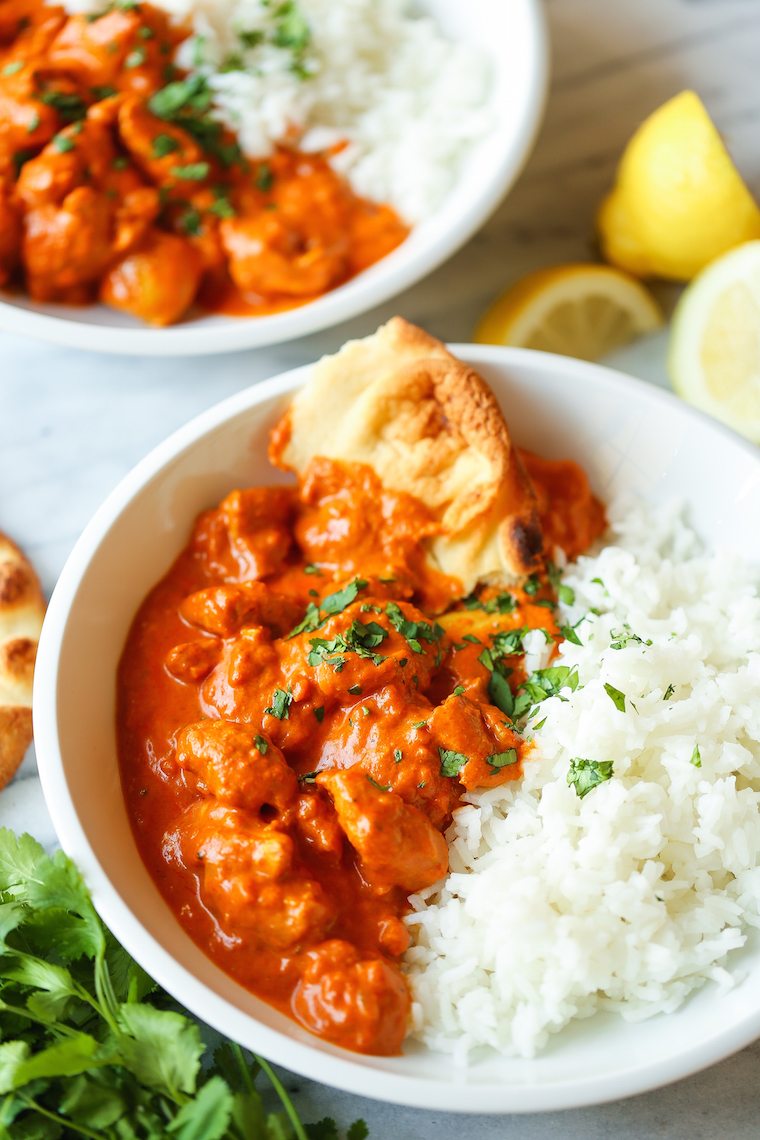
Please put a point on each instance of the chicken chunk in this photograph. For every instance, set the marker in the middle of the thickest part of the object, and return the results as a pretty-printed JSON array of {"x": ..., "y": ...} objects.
[
  {"x": 225, "y": 609},
  {"x": 156, "y": 281},
  {"x": 66, "y": 249},
  {"x": 238, "y": 766},
  {"x": 359, "y": 1004},
  {"x": 396, "y": 843}
]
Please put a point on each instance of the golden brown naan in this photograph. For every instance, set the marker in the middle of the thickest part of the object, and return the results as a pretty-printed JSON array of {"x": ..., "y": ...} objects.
[
  {"x": 429, "y": 425},
  {"x": 22, "y": 608}
]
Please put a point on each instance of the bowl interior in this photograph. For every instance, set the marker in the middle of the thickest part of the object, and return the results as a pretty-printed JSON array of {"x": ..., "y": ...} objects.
[
  {"x": 511, "y": 34},
  {"x": 628, "y": 436}
]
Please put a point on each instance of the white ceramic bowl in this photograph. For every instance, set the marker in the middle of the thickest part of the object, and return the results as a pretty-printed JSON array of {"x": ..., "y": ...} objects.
[
  {"x": 628, "y": 435},
  {"x": 513, "y": 35}
]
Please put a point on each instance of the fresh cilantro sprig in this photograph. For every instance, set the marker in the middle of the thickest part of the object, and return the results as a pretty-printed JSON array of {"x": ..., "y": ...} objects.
[
  {"x": 414, "y": 632},
  {"x": 502, "y": 603},
  {"x": 89, "y": 1045}
]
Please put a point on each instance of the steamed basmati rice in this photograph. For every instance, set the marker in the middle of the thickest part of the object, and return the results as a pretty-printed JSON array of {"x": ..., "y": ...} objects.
[
  {"x": 633, "y": 896},
  {"x": 407, "y": 102}
]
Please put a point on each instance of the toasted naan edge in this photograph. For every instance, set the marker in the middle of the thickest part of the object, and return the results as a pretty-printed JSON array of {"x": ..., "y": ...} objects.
[
  {"x": 429, "y": 425},
  {"x": 22, "y": 608}
]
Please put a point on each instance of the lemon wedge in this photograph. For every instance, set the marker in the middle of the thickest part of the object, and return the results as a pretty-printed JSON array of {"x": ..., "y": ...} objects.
[
  {"x": 678, "y": 201},
  {"x": 576, "y": 310},
  {"x": 714, "y": 349}
]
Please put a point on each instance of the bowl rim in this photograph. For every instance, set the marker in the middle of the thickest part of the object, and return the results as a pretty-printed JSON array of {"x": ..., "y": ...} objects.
[
  {"x": 338, "y": 1068},
  {"x": 394, "y": 273}
]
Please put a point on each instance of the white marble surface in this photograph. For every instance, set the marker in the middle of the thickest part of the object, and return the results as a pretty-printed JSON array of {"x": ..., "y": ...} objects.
[{"x": 72, "y": 424}]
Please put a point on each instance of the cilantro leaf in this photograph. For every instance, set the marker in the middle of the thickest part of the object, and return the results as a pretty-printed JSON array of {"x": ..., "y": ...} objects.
[
  {"x": 320, "y": 713},
  {"x": 310, "y": 622},
  {"x": 358, "y": 1130},
  {"x": 335, "y": 603},
  {"x": 260, "y": 744},
  {"x": 64, "y": 1059},
  {"x": 380, "y": 787},
  {"x": 206, "y": 1117},
  {"x": 586, "y": 775},
  {"x": 13, "y": 1054},
  {"x": 669, "y": 692},
  {"x": 501, "y": 760},
  {"x": 162, "y": 1049},
  {"x": 451, "y": 762},
  {"x": 696, "y": 759},
  {"x": 509, "y": 642},
  {"x": 532, "y": 586},
  {"x": 500, "y": 693},
  {"x": 569, "y": 634},
  {"x": 503, "y": 603},
  {"x": 281, "y": 702},
  {"x": 325, "y": 1129},
  {"x": 413, "y": 632},
  {"x": 617, "y": 698}
]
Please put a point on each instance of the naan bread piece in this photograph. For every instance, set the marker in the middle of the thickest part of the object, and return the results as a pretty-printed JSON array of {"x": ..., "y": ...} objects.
[
  {"x": 22, "y": 608},
  {"x": 429, "y": 425}
]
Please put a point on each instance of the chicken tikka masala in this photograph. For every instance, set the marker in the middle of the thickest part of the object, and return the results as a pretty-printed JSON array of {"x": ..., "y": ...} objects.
[
  {"x": 117, "y": 183},
  {"x": 307, "y": 694}
]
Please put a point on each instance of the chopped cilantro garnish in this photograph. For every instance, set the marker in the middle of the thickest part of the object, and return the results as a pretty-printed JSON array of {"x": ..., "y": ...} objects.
[
  {"x": 617, "y": 698},
  {"x": 569, "y": 634},
  {"x": 413, "y": 631},
  {"x": 320, "y": 713},
  {"x": 310, "y": 622},
  {"x": 264, "y": 177},
  {"x": 403, "y": 662},
  {"x": 103, "y": 92},
  {"x": 356, "y": 690},
  {"x": 501, "y": 760},
  {"x": 71, "y": 108},
  {"x": 503, "y": 603},
  {"x": 508, "y": 642},
  {"x": 669, "y": 692},
  {"x": 598, "y": 581},
  {"x": 261, "y": 744},
  {"x": 485, "y": 658},
  {"x": 120, "y": 162},
  {"x": 459, "y": 691},
  {"x": 251, "y": 39},
  {"x": 566, "y": 595},
  {"x": 312, "y": 569},
  {"x": 33, "y": 123},
  {"x": 12, "y": 68},
  {"x": 365, "y": 710},
  {"x": 419, "y": 724},
  {"x": 532, "y": 586},
  {"x": 586, "y": 775},
  {"x": 398, "y": 755},
  {"x": 145, "y": 33},
  {"x": 627, "y": 637},
  {"x": 308, "y": 777},
  {"x": 135, "y": 58},
  {"x": 361, "y": 639},
  {"x": 380, "y": 787},
  {"x": 194, "y": 172},
  {"x": 696, "y": 759},
  {"x": 191, "y": 222},
  {"x": 540, "y": 725},
  {"x": 62, "y": 144},
  {"x": 335, "y": 603},
  {"x": 500, "y": 694},
  {"x": 281, "y": 702},
  {"x": 163, "y": 145},
  {"x": 222, "y": 207},
  {"x": 472, "y": 638},
  {"x": 451, "y": 762}
]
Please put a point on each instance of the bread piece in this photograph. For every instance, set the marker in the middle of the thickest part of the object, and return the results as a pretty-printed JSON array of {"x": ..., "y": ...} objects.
[
  {"x": 22, "y": 608},
  {"x": 429, "y": 425}
]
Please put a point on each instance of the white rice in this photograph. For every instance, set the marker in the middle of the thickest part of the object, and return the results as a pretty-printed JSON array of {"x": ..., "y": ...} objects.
[
  {"x": 632, "y": 897},
  {"x": 408, "y": 102}
]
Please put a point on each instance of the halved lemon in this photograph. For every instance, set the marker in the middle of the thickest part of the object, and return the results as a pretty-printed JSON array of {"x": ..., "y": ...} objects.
[
  {"x": 576, "y": 310},
  {"x": 714, "y": 351}
]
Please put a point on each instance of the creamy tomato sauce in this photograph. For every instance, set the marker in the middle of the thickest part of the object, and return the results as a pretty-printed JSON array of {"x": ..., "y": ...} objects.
[
  {"x": 301, "y": 702},
  {"x": 117, "y": 183}
]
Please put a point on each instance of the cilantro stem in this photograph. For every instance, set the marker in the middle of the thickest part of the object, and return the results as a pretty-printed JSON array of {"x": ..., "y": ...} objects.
[
  {"x": 65, "y": 1120},
  {"x": 246, "y": 1072},
  {"x": 54, "y": 1026},
  {"x": 287, "y": 1103}
]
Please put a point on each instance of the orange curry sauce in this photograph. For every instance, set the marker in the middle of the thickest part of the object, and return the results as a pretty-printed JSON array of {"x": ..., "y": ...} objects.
[
  {"x": 288, "y": 790},
  {"x": 116, "y": 182}
]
